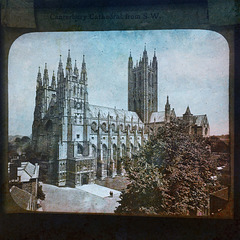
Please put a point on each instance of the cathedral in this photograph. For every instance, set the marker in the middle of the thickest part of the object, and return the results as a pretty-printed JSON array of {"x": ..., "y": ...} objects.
[{"x": 83, "y": 141}]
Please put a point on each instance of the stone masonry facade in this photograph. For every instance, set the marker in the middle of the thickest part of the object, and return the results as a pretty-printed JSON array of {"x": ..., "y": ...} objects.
[{"x": 83, "y": 141}]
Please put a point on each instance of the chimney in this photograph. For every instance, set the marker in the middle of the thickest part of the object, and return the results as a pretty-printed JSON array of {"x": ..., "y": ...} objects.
[{"x": 13, "y": 171}]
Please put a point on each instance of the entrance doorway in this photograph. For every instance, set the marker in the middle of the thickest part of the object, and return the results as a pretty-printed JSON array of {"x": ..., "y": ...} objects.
[{"x": 85, "y": 179}]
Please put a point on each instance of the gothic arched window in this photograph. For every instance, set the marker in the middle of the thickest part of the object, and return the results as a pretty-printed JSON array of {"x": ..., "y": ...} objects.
[
  {"x": 206, "y": 131},
  {"x": 195, "y": 129},
  {"x": 132, "y": 148},
  {"x": 49, "y": 126},
  {"x": 123, "y": 150},
  {"x": 94, "y": 126},
  {"x": 135, "y": 81},
  {"x": 134, "y": 105},
  {"x": 79, "y": 149},
  {"x": 105, "y": 155},
  {"x": 104, "y": 127},
  {"x": 114, "y": 152},
  {"x": 140, "y": 81},
  {"x": 94, "y": 150}
]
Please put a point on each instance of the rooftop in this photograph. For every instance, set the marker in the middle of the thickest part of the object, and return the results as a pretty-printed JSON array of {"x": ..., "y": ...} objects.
[
  {"x": 113, "y": 113},
  {"x": 222, "y": 194},
  {"x": 28, "y": 171},
  {"x": 21, "y": 197}
]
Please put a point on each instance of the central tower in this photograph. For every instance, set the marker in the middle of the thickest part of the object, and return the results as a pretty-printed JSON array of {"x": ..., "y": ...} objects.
[{"x": 143, "y": 86}]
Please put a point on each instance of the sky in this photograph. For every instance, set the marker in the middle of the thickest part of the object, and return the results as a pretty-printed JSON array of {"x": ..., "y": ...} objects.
[{"x": 193, "y": 69}]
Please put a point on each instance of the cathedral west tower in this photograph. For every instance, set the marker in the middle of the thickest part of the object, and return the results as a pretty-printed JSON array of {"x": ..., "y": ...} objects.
[{"x": 143, "y": 86}]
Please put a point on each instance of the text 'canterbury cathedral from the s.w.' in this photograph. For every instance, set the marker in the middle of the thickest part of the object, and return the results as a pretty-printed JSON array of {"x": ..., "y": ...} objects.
[{"x": 84, "y": 142}]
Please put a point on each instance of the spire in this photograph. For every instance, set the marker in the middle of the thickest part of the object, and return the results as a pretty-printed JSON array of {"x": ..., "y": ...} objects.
[
  {"x": 83, "y": 71},
  {"x": 39, "y": 78},
  {"x": 187, "y": 116},
  {"x": 45, "y": 76},
  {"x": 60, "y": 65},
  {"x": 173, "y": 114},
  {"x": 60, "y": 72},
  {"x": 130, "y": 56},
  {"x": 83, "y": 63},
  {"x": 145, "y": 53},
  {"x": 130, "y": 61},
  {"x": 188, "y": 112},
  {"x": 76, "y": 69},
  {"x": 167, "y": 105},
  {"x": 53, "y": 84},
  {"x": 167, "y": 111},
  {"x": 69, "y": 61},
  {"x": 39, "y": 73},
  {"x": 154, "y": 62}
]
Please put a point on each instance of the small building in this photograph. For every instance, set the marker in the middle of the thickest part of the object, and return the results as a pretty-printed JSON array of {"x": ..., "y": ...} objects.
[
  {"x": 23, "y": 183},
  {"x": 218, "y": 200}
]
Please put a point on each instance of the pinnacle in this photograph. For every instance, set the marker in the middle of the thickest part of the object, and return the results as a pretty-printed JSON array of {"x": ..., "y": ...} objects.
[{"x": 188, "y": 110}]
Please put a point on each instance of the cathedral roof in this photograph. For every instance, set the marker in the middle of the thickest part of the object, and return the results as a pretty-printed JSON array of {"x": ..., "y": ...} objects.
[
  {"x": 200, "y": 120},
  {"x": 113, "y": 112},
  {"x": 157, "y": 117}
]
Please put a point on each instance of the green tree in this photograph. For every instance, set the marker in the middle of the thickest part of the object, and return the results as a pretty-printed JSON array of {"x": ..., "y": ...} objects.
[
  {"x": 40, "y": 193},
  {"x": 173, "y": 174}
]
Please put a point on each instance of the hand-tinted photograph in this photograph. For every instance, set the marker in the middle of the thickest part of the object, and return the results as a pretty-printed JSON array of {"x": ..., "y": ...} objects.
[{"x": 120, "y": 122}]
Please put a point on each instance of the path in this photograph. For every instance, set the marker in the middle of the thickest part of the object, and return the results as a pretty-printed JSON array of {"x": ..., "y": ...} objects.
[{"x": 90, "y": 198}]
